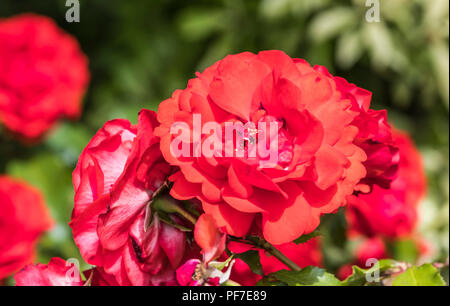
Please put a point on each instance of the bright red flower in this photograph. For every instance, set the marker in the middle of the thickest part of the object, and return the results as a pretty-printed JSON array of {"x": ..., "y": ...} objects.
[
  {"x": 43, "y": 75},
  {"x": 115, "y": 179},
  {"x": 318, "y": 163},
  {"x": 58, "y": 272},
  {"x": 374, "y": 137},
  {"x": 303, "y": 254},
  {"x": 391, "y": 212},
  {"x": 23, "y": 218}
]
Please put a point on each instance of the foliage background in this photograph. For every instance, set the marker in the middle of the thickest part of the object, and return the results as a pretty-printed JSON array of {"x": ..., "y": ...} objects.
[{"x": 141, "y": 51}]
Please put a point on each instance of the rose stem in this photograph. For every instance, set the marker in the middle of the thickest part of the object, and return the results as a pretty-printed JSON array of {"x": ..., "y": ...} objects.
[
  {"x": 170, "y": 207},
  {"x": 185, "y": 214},
  {"x": 262, "y": 244}
]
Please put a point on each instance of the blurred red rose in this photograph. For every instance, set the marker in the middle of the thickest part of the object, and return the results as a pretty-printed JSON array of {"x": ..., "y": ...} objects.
[
  {"x": 115, "y": 178},
  {"x": 318, "y": 166},
  {"x": 43, "y": 75},
  {"x": 391, "y": 212},
  {"x": 303, "y": 254},
  {"x": 58, "y": 272},
  {"x": 23, "y": 218}
]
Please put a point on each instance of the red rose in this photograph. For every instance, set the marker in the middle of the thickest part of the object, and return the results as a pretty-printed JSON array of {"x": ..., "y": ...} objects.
[
  {"x": 43, "y": 74},
  {"x": 318, "y": 165},
  {"x": 23, "y": 218},
  {"x": 115, "y": 179},
  {"x": 391, "y": 212},
  {"x": 57, "y": 273},
  {"x": 374, "y": 136},
  {"x": 303, "y": 254}
]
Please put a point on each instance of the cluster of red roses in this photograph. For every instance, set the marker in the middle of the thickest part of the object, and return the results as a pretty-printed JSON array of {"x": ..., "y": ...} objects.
[{"x": 144, "y": 216}]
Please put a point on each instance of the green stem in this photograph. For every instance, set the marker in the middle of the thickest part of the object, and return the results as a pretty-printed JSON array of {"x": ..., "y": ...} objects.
[
  {"x": 185, "y": 214},
  {"x": 188, "y": 206},
  {"x": 165, "y": 205},
  {"x": 262, "y": 244}
]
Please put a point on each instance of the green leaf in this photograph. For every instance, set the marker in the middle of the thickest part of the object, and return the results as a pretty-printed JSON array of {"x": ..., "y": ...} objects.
[
  {"x": 52, "y": 177},
  {"x": 220, "y": 265},
  {"x": 68, "y": 141},
  {"x": 165, "y": 217},
  {"x": 445, "y": 273},
  {"x": 266, "y": 281},
  {"x": 309, "y": 276},
  {"x": 331, "y": 23},
  {"x": 404, "y": 250},
  {"x": 349, "y": 49},
  {"x": 359, "y": 275},
  {"x": 307, "y": 237},
  {"x": 425, "y": 275},
  {"x": 252, "y": 259},
  {"x": 440, "y": 65},
  {"x": 197, "y": 23}
]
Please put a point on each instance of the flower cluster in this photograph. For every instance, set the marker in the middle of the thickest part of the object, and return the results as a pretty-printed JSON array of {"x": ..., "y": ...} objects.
[{"x": 145, "y": 215}]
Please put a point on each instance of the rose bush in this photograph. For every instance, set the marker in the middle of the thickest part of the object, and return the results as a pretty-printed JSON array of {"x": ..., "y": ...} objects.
[
  {"x": 43, "y": 75},
  {"x": 146, "y": 215}
]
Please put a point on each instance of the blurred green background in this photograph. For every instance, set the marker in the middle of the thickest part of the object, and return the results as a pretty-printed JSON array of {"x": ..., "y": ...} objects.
[{"x": 141, "y": 51}]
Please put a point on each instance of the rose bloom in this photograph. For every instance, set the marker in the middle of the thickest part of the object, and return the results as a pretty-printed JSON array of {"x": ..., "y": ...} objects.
[
  {"x": 115, "y": 178},
  {"x": 43, "y": 75},
  {"x": 303, "y": 254},
  {"x": 320, "y": 160},
  {"x": 374, "y": 137},
  {"x": 391, "y": 213},
  {"x": 23, "y": 218}
]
